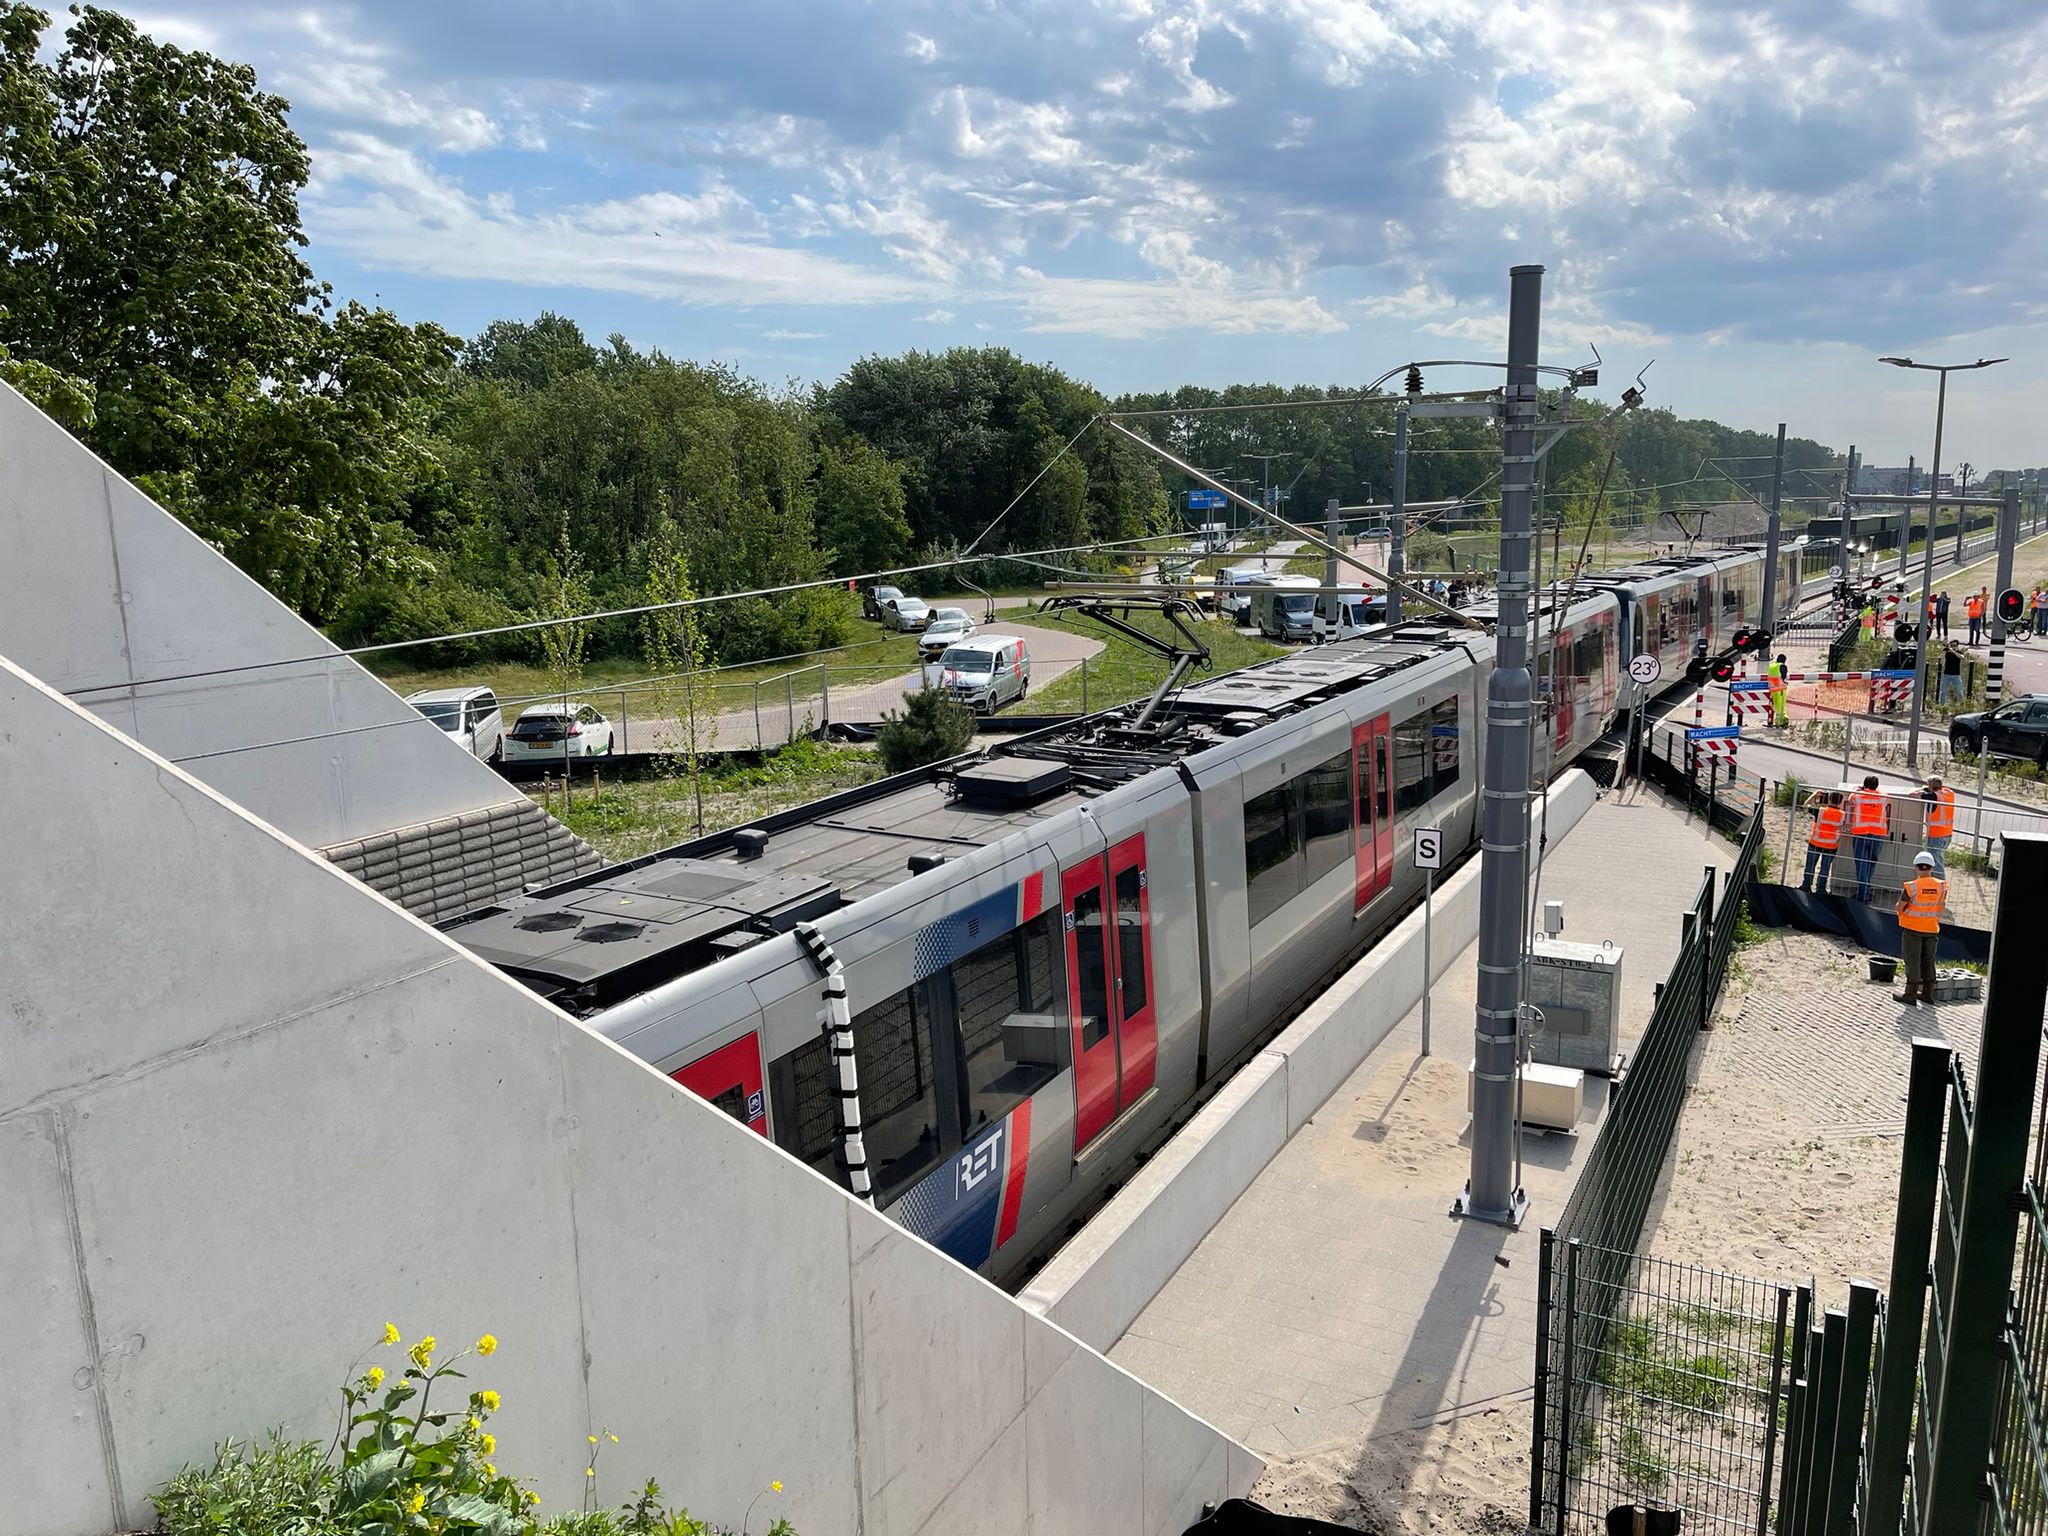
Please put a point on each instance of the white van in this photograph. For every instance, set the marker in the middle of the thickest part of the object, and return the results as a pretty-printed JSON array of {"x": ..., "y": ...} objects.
[
  {"x": 470, "y": 715},
  {"x": 1231, "y": 597},
  {"x": 1284, "y": 607},
  {"x": 1357, "y": 612},
  {"x": 985, "y": 672}
]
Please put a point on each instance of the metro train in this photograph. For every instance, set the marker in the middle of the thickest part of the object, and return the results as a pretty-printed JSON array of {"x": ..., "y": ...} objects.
[{"x": 1052, "y": 946}]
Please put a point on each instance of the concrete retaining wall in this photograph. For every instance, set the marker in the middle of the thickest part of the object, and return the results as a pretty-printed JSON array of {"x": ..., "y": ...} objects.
[
  {"x": 1104, "y": 1277},
  {"x": 250, "y": 1111},
  {"x": 106, "y": 596}
]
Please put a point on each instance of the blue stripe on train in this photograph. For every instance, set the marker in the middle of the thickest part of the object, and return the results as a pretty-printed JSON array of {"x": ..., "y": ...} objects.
[{"x": 955, "y": 1206}]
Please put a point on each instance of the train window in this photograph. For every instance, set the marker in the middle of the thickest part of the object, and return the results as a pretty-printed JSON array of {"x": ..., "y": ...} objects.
[
  {"x": 806, "y": 1113},
  {"x": 1011, "y": 1042},
  {"x": 1443, "y": 746},
  {"x": 1094, "y": 982},
  {"x": 1326, "y": 817},
  {"x": 899, "y": 1100},
  {"x": 1411, "y": 763},
  {"x": 1131, "y": 974},
  {"x": 1272, "y": 853}
]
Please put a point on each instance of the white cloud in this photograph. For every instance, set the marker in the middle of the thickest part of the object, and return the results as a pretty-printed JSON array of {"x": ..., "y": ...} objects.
[
  {"x": 782, "y": 335},
  {"x": 1128, "y": 309},
  {"x": 936, "y": 317},
  {"x": 385, "y": 207},
  {"x": 924, "y": 48}
]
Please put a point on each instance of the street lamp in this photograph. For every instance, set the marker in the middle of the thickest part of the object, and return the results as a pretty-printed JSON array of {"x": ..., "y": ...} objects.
[
  {"x": 1933, "y": 511},
  {"x": 1266, "y": 496}
]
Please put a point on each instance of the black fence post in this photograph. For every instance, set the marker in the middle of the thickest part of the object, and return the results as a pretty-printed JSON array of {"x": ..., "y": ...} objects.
[
  {"x": 1791, "y": 1490},
  {"x": 1987, "y": 1220},
  {"x": 1891, "y": 1428},
  {"x": 1704, "y": 935},
  {"x": 1538, "y": 1450},
  {"x": 1825, "y": 1390},
  {"x": 1564, "y": 1396},
  {"x": 1763, "y": 1499},
  {"x": 1847, "y": 1450}
]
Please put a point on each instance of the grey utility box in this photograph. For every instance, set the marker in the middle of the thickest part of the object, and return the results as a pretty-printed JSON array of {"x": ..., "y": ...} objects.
[{"x": 1577, "y": 987}]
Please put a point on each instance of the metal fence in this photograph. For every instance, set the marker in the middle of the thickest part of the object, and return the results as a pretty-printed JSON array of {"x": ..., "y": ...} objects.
[{"x": 1577, "y": 1431}]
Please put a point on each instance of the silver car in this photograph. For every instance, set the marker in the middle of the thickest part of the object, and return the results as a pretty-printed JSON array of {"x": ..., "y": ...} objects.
[
  {"x": 470, "y": 715},
  {"x": 986, "y": 672}
]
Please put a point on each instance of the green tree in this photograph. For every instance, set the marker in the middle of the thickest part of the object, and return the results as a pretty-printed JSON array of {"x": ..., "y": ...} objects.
[
  {"x": 860, "y": 506},
  {"x": 149, "y": 211},
  {"x": 682, "y": 697},
  {"x": 928, "y": 729}
]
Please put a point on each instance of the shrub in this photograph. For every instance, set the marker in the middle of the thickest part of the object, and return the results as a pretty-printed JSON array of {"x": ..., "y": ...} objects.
[
  {"x": 398, "y": 1465},
  {"x": 1789, "y": 791},
  {"x": 928, "y": 729}
]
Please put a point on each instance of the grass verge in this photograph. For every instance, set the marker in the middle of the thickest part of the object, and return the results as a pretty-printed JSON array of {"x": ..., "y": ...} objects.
[{"x": 1123, "y": 671}]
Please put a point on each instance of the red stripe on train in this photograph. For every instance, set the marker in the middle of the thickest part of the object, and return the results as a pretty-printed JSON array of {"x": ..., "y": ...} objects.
[
  {"x": 1034, "y": 896},
  {"x": 1013, "y": 1184}
]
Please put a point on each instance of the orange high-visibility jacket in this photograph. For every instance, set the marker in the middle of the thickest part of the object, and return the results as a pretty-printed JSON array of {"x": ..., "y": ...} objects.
[
  {"x": 1869, "y": 815},
  {"x": 1827, "y": 828},
  {"x": 1924, "y": 897},
  {"x": 1975, "y": 608},
  {"x": 1941, "y": 813}
]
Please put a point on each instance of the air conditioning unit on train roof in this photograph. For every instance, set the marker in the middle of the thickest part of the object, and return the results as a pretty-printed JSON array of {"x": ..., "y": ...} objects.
[{"x": 1577, "y": 989}]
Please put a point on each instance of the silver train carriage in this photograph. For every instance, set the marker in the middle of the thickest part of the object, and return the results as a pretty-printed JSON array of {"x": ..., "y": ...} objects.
[{"x": 1052, "y": 945}]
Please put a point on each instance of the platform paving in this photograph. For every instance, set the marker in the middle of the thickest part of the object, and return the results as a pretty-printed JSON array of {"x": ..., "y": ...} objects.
[{"x": 1337, "y": 1300}]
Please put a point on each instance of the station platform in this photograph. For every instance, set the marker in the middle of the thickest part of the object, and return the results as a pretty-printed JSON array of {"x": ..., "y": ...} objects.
[{"x": 1337, "y": 1300}]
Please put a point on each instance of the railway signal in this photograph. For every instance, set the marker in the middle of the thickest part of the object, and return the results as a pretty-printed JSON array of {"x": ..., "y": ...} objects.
[{"x": 2012, "y": 605}]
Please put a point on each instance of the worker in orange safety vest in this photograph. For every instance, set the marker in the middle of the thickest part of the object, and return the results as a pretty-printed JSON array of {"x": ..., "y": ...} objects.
[
  {"x": 1941, "y": 822},
  {"x": 1920, "y": 906},
  {"x": 1824, "y": 839},
  {"x": 1974, "y": 610},
  {"x": 1870, "y": 819}
]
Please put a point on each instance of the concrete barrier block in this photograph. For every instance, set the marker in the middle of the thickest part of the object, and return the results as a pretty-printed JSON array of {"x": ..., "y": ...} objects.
[
  {"x": 1185, "y": 1468},
  {"x": 1085, "y": 1454}
]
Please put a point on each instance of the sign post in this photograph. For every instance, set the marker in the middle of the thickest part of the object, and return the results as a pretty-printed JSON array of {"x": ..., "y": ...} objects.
[
  {"x": 1643, "y": 671},
  {"x": 1429, "y": 858}
]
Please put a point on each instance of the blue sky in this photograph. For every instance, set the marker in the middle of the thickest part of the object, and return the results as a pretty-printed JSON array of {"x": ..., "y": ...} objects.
[{"x": 1761, "y": 197}]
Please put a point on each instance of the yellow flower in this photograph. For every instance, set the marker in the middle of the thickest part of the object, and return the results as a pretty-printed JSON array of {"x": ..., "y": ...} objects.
[
  {"x": 776, "y": 1485},
  {"x": 489, "y": 1400},
  {"x": 423, "y": 1352},
  {"x": 374, "y": 1377},
  {"x": 590, "y": 1471},
  {"x": 591, "y": 1438},
  {"x": 417, "y": 1502},
  {"x": 490, "y": 1471},
  {"x": 532, "y": 1497},
  {"x": 390, "y": 1334},
  {"x": 489, "y": 1444},
  {"x": 487, "y": 1344},
  {"x": 613, "y": 1438}
]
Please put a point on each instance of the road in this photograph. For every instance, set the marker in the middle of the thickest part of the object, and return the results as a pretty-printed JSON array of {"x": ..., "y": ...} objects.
[{"x": 775, "y": 712}]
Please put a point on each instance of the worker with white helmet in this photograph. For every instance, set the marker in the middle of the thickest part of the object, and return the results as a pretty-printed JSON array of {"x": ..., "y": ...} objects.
[{"x": 1920, "y": 929}]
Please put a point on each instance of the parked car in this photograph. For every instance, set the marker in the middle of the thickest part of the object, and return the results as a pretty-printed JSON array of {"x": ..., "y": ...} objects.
[
  {"x": 948, "y": 626},
  {"x": 905, "y": 613},
  {"x": 1357, "y": 612},
  {"x": 2017, "y": 729},
  {"x": 1284, "y": 606},
  {"x": 986, "y": 672},
  {"x": 874, "y": 598},
  {"x": 470, "y": 715},
  {"x": 1231, "y": 589},
  {"x": 550, "y": 732}
]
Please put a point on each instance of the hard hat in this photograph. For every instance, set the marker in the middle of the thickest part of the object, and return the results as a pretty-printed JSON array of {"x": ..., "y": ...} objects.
[{"x": 1923, "y": 858}]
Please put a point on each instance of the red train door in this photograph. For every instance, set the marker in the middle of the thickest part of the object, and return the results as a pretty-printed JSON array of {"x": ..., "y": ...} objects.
[
  {"x": 1371, "y": 787},
  {"x": 1113, "y": 1014},
  {"x": 730, "y": 1077}
]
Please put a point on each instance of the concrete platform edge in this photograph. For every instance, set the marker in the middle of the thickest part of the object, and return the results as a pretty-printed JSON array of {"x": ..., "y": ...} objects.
[{"x": 1096, "y": 1285}]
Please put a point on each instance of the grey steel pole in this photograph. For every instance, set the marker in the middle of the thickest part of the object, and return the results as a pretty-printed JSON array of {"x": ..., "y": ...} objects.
[
  {"x": 1428, "y": 970},
  {"x": 1906, "y": 529},
  {"x": 1963, "y": 482},
  {"x": 1397, "y": 519},
  {"x": 1848, "y": 540},
  {"x": 1504, "y": 858},
  {"x": 1770, "y": 616},
  {"x": 1965, "y": 1419},
  {"x": 2008, "y": 536},
  {"x": 1927, "y": 574},
  {"x": 1330, "y": 601}
]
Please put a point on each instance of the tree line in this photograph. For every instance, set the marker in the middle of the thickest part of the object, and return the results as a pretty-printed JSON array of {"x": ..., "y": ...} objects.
[{"x": 389, "y": 479}]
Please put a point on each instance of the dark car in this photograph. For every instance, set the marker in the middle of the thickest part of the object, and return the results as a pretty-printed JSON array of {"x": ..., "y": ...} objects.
[
  {"x": 872, "y": 599},
  {"x": 2017, "y": 729}
]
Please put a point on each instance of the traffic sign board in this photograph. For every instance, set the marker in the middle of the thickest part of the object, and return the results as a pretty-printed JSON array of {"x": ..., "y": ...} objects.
[
  {"x": 1429, "y": 847},
  {"x": 1645, "y": 668},
  {"x": 1206, "y": 501},
  {"x": 1713, "y": 733},
  {"x": 1750, "y": 685}
]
